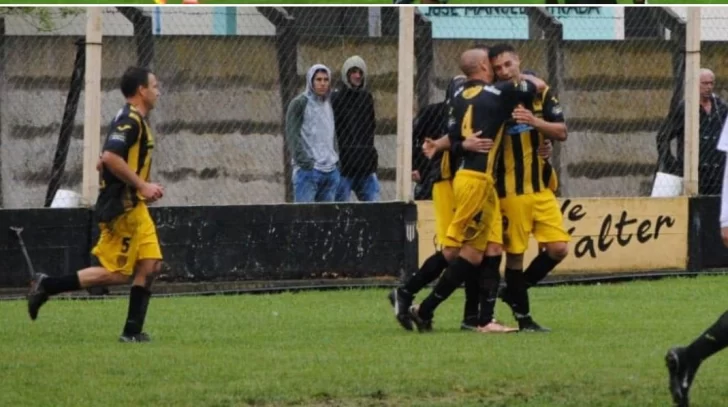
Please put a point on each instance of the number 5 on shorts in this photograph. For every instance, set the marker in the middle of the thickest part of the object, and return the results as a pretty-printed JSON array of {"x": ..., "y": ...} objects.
[{"x": 125, "y": 244}]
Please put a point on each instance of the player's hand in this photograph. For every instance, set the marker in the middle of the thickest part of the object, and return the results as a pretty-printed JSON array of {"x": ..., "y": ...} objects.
[
  {"x": 416, "y": 176},
  {"x": 724, "y": 235},
  {"x": 537, "y": 82},
  {"x": 151, "y": 192},
  {"x": 545, "y": 149},
  {"x": 523, "y": 116},
  {"x": 428, "y": 148},
  {"x": 99, "y": 165},
  {"x": 478, "y": 145}
]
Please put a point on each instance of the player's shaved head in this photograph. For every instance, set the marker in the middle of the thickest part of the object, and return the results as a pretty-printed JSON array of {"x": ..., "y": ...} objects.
[{"x": 472, "y": 60}]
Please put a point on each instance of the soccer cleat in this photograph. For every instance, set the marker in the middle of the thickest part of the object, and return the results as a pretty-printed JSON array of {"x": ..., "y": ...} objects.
[
  {"x": 682, "y": 373},
  {"x": 423, "y": 325},
  {"x": 527, "y": 324},
  {"x": 496, "y": 327},
  {"x": 469, "y": 324},
  {"x": 140, "y": 337},
  {"x": 401, "y": 308},
  {"x": 37, "y": 296}
]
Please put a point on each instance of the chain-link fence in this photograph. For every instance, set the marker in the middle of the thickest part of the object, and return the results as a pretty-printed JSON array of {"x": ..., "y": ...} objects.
[{"x": 228, "y": 76}]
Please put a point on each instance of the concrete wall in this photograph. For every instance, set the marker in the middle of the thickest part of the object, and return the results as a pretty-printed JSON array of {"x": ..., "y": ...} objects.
[{"x": 218, "y": 122}]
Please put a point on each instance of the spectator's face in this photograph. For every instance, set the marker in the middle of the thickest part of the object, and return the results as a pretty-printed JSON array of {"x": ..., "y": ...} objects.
[
  {"x": 707, "y": 82},
  {"x": 355, "y": 77},
  {"x": 321, "y": 83},
  {"x": 506, "y": 66}
]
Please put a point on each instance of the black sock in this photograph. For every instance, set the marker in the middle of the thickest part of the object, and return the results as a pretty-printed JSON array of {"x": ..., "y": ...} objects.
[
  {"x": 539, "y": 268},
  {"x": 57, "y": 285},
  {"x": 710, "y": 342},
  {"x": 472, "y": 294},
  {"x": 458, "y": 271},
  {"x": 144, "y": 307},
  {"x": 429, "y": 272},
  {"x": 138, "y": 302},
  {"x": 488, "y": 283},
  {"x": 517, "y": 293}
]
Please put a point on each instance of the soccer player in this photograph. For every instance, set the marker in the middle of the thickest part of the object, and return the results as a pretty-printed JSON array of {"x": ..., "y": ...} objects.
[
  {"x": 527, "y": 203},
  {"x": 443, "y": 164},
  {"x": 128, "y": 242},
  {"x": 478, "y": 110},
  {"x": 683, "y": 362}
]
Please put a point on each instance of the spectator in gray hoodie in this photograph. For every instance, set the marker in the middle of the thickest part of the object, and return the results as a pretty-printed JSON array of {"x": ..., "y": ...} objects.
[{"x": 311, "y": 139}]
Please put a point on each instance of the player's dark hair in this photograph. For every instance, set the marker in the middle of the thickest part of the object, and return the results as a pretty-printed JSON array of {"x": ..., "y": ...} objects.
[
  {"x": 132, "y": 79},
  {"x": 499, "y": 49}
]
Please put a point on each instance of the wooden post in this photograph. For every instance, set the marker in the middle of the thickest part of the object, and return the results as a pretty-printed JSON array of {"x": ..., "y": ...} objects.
[
  {"x": 692, "y": 102},
  {"x": 405, "y": 96},
  {"x": 92, "y": 106}
]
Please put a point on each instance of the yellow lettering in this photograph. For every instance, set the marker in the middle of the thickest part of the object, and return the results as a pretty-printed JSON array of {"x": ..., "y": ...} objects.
[{"x": 466, "y": 129}]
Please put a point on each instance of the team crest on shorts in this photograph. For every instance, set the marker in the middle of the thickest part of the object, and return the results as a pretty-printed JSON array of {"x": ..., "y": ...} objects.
[{"x": 470, "y": 232}]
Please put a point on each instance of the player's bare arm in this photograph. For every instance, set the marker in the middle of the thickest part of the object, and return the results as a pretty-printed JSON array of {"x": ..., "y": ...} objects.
[
  {"x": 430, "y": 146},
  {"x": 477, "y": 144},
  {"x": 118, "y": 166},
  {"x": 554, "y": 131},
  {"x": 473, "y": 143},
  {"x": 545, "y": 149}
]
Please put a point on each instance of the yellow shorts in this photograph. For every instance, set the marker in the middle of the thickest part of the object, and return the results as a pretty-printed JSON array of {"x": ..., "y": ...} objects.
[
  {"x": 537, "y": 213},
  {"x": 476, "y": 210},
  {"x": 127, "y": 239},
  {"x": 443, "y": 202}
]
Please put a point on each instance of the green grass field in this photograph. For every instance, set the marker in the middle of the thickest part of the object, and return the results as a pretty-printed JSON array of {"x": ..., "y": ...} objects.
[{"x": 345, "y": 349}]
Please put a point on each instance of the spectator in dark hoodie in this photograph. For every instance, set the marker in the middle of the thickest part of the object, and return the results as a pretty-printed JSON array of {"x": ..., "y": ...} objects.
[
  {"x": 311, "y": 139},
  {"x": 355, "y": 123}
]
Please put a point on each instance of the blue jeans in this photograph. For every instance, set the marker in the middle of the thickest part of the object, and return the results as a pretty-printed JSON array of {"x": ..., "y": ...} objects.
[
  {"x": 314, "y": 185},
  {"x": 365, "y": 187}
]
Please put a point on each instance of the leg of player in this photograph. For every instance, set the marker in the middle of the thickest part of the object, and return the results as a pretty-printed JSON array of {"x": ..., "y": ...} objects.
[
  {"x": 401, "y": 297},
  {"x": 467, "y": 263},
  {"x": 489, "y": 282},
  {"x": 545, "y": 262},
  {"x": 478, "y": 288},
  {"x": 547, "y": 259},
  {"x": 45, "y": 286},
  {"x": 516, "y": 294},
  {"x": 472, "y": 299},
  {"x": 139, "y": 296},
  {"x": 683, "y": 362}
]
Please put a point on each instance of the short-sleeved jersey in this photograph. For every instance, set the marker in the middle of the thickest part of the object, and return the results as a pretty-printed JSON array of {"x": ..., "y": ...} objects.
[
  {"x": 129, "y": 137},
  {"x": 478, "y": 106},
  {"x": 520, "y": 170}
]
